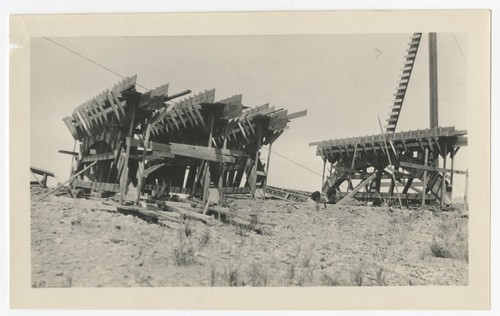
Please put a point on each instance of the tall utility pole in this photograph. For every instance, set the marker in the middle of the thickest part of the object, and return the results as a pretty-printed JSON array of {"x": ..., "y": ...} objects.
[{"x": 433, "y": 80}]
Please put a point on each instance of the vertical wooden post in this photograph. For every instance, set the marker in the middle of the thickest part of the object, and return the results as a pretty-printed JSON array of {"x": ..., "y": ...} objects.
[
  {"x": 424, "y": 180},
  {"x": 267, "y": 167},
  {"x": 443, "y": 180},
  {"x": 142, "y": 162},
  {"x": 323, "y": 176},
  {"x": 452, "y": 157},
  {"x": 353, "y": 162},
  {"x": 72, "y": 170},
  {"x": 390, "y": 162},
  {"x": 433, "y": 80},
  {"x": 206, "y": 183},
  {"x": 124, "y": 178},
  {"x": 222, "y": 167},
  {"x": 253, "y": 185}
]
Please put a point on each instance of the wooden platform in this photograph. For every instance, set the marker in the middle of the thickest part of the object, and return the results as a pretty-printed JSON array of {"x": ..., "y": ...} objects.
[{"x": 414, "y": 159}]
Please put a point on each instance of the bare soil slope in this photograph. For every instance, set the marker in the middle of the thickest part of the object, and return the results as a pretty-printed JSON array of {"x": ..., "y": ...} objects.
[{"x": 337, "y": 246}]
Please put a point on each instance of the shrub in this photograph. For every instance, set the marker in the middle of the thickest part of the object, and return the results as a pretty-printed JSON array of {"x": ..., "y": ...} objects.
[
  {"x": 452, "y": 239},
  {"x": 205, "y": 237},
  {"x": 183, "y": 252},
  {"x": 257, "y": 274},
  {"x": 329, "y": 279}
]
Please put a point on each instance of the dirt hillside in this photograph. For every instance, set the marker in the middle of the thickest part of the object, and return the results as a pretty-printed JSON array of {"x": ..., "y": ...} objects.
[{"x": 346, "y": 245}]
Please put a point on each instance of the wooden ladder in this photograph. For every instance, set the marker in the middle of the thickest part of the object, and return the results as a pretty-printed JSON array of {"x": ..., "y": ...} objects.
[{"x": 409, "y": 61}]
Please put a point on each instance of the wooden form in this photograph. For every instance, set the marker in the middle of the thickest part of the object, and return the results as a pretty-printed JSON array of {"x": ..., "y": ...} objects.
[
  {"x": 153, "y": 140},
  {"x": 360, "y": 157},
  {"x": 41, "y": 172},
  {"x": 285, "y": 194}
]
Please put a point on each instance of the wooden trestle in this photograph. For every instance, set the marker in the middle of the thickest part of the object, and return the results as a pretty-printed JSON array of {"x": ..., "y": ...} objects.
[
  {"x": 364, "y": 160},
  {"x": 144, "y": 142}
]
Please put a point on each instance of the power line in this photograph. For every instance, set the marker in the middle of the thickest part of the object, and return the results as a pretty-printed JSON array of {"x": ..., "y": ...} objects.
[
  {"x": 460, "y": 49},
  {"x": 90, "y": 60},
  {"x": 298, "y": 164}
]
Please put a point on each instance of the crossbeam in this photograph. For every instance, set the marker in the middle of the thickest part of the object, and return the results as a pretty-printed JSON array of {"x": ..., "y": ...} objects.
[{"x": 430, "y": 168}]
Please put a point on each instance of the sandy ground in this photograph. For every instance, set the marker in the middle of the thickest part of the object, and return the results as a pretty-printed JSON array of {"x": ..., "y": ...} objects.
[{"x": 338, "y": 246}]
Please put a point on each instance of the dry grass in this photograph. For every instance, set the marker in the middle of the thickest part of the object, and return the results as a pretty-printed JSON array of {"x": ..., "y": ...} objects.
[
  {"x": 452, "y": 240},
  {"x": 184, "y": 250},
  {"x": 257, "y": 274}
]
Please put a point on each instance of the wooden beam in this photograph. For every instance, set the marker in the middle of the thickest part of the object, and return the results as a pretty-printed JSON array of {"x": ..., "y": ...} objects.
[
  {"x": 357, "y": 188},
  {"x": 296, "y": 115},
  {"x": 193, "y": 151},
  {"x": 41, "y": 172},
  {"x": 70, "y": 179},
  {"x": 98, "y": 157},
  {"x": 222, "y": 168},
  {"x": 383, "y": 195},
  {"x": 430, "y": 168},
  {"x": 206, "y": 182},
  {"x": 253, "y": 185},
  {"x": 443, "y": 178},
  {"x": 124, "y": 174}
]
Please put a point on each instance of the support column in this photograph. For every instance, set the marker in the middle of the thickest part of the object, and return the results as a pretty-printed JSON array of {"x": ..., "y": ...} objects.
[
  {"x": 253, "y": 186},
  {"x": 124, "y": 175},
  {"x": 222, "y": 167},
  {"x": 206, "y": 183},
  {"x": 142, "y": 161},
  {"x": 443, "y": 180},
  {"x": 433, "y": 80},
  {"x": 323, "y": 176},
  {"x": 267, "y": 168},
  {"x": 424, "y": 180}
]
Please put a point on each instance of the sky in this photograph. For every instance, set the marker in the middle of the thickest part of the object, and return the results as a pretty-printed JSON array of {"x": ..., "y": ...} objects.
[{"x": 344, "y": 81}]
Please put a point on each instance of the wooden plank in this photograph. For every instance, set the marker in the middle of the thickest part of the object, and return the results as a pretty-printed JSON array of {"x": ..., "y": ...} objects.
[
  {"x": 430, "y": 168},
  {"x": 357, "y": 188},
  {"x": 296, "y": 115},
  {"x": 84, "y": 203},
  {"x": 152, "y": 169},
  {"x": 387, "y": 196},
  {"x": 117, "y": 102},
  {"x": 41, "y": 171},
  {"x": 99, "y": 157},
  {"x": 69, "y": 180},
  {"x": 83, "y": 123},
  {"x": 193, "y": 151},
  {"x": 72, "y": 129},
  {"x": 99, "y": 186},
  {"x": 67, "y": 152},
  {"x": 113, "y": 105}
]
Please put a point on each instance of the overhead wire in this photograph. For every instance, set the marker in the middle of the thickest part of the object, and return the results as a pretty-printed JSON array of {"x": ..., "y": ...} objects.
[
  {"x": 92, "y": 61},
  {"x": 294, "y": 162},
  {"x": 460, "y": 49}
]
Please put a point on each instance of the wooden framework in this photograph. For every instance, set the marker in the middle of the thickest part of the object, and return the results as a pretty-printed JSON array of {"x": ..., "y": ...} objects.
[
  {"x": 41, "y": 172},
  {"x": 147, "y": 143},
  {"x": 365, "y": 160}
]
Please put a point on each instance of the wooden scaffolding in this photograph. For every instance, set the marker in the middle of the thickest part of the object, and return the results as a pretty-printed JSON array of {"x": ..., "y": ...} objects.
[
  {"x": 147, "y": 143},
  {"x": 377, "y": 162}
]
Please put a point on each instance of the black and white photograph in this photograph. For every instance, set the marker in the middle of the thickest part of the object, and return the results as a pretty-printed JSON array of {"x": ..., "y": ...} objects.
[{"x": 280, "y": 160}]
